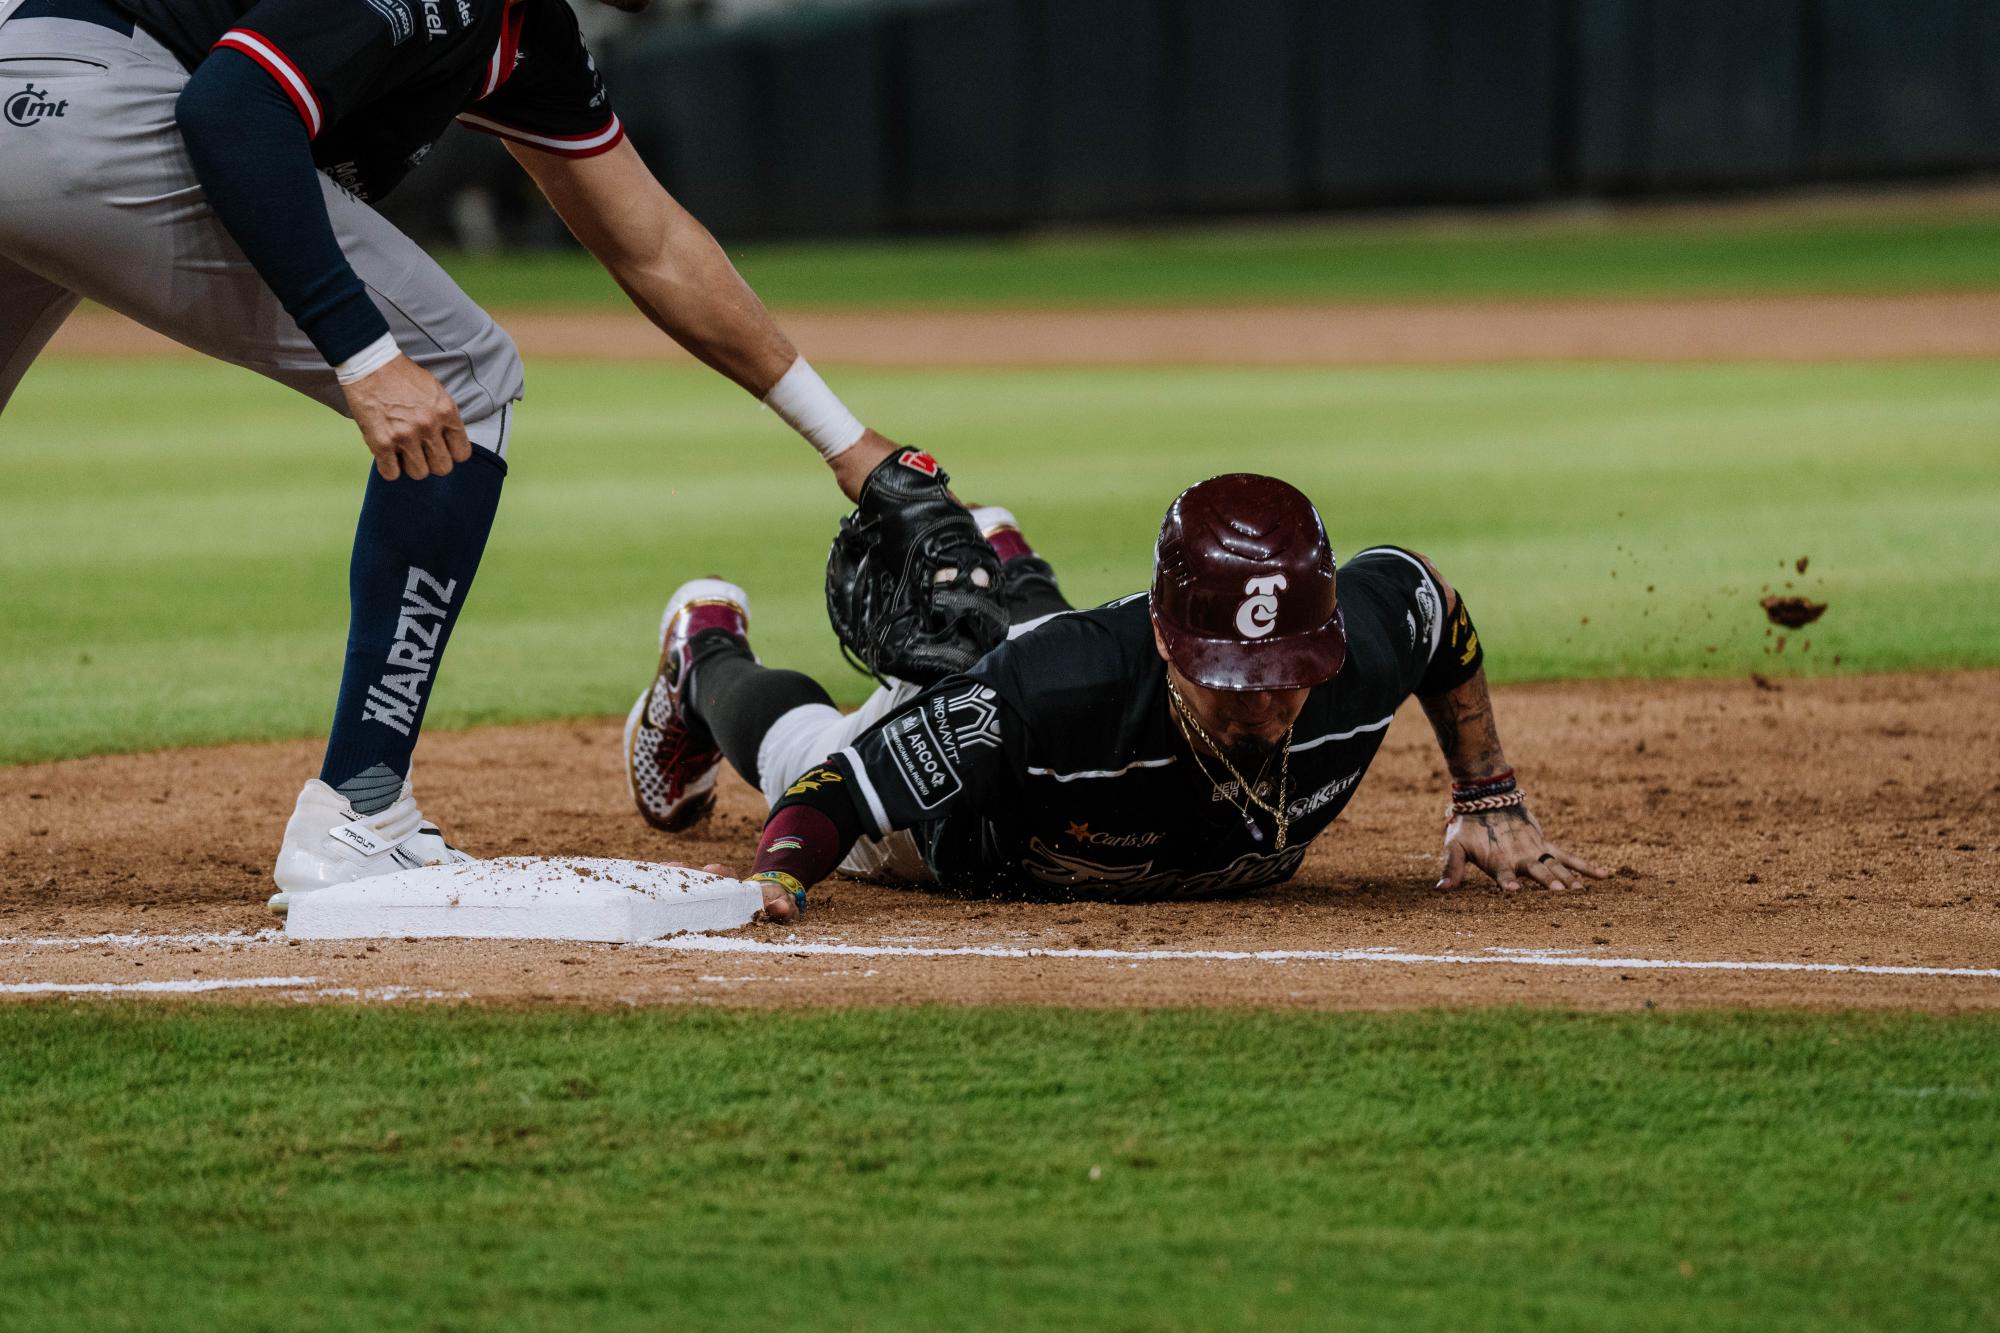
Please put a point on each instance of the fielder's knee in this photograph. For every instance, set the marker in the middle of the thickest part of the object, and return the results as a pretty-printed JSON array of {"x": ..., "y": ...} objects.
[
  {"x": 490, "y": 432},
  {"x": 484, "y": 376}
]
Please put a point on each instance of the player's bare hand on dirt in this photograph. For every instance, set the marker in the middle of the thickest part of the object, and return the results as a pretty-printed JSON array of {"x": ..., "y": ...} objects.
[
  {"x": 778, "y": 904},
  {"x": 409, "y": 422},
  {"x": 1510, "y": 846}
]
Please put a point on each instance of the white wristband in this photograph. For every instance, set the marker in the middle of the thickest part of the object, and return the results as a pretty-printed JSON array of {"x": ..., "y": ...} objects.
[
  {"x": 368, "y": 360},
  {"x": 801, "y": 397}
]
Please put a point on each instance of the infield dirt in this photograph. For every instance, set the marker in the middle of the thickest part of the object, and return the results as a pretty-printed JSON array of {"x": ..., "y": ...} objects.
[
  {"x": 1845, "y": 820},
  {"x": 1775, "y": 328},
  {"x": 1851, "y": 820}
]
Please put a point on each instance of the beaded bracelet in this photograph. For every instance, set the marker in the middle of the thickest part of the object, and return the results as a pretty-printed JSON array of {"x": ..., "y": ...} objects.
[
  {"x": 1499, "y": 784},
  {"x": 1477, "y": 804},
  {"x": 788, "y": 883}
]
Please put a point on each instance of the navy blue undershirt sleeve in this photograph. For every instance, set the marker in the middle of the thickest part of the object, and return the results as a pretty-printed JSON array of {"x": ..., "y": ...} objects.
[{"x": 254, "y": 160}]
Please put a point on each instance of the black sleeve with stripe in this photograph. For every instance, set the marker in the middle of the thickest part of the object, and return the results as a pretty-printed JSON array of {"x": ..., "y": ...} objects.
[
  {"x": 554, "y": 99},
  {"x": 1459, "y": 656},
  {"x": 281, "y": 74},
  {"x": 325, "y": 58},
  {"x": 334, "y": 56},
  {"x": 1434, "y": 644}
]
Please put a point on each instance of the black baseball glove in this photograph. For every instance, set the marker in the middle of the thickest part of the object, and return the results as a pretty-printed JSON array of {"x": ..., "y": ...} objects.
[{"x": 912, "y": 589}]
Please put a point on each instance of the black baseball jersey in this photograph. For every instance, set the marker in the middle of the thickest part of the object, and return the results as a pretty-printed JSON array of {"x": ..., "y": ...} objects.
[
  {"x": 1053, "y": 767},
  {"x": 378, "y": 81}
]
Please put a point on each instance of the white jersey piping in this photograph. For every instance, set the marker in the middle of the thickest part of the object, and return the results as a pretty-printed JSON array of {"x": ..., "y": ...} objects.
[
  {"x": 868, "y": 792},
  {"x": 1437, "y": 622},
  {"x": 1100, "y": 772}
]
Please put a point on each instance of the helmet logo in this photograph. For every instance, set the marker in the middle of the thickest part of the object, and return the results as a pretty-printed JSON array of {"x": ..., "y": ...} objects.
[{"x": 1258, "y": 614}]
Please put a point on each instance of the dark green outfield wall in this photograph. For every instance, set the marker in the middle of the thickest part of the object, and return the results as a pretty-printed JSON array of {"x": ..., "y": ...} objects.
[{"x": 980, "y": 114}]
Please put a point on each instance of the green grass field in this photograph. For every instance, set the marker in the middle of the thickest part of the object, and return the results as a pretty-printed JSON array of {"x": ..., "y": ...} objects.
[
  {"x": 175, "y": 570},
  {"x": 220, "y": 1167},
  {"x": 1917, "y": 246},
  {"x": 172, "y": 551}
]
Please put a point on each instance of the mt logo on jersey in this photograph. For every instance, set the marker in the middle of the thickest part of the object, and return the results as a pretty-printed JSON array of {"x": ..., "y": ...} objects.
[{"x": 32, "y": 106}]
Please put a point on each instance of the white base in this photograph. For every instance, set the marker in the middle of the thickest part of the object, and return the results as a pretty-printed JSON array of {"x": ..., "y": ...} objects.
[{"x": 527, "y": 898}]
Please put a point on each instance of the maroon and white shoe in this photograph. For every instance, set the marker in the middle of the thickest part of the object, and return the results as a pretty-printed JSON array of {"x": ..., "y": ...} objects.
[
  {"x": 671, "y": 761},
  {"x": 1027, "y": 582}
]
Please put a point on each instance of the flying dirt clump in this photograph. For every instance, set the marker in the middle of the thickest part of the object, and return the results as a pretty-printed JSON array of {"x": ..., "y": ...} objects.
[{"x": 1792, "y": 612}]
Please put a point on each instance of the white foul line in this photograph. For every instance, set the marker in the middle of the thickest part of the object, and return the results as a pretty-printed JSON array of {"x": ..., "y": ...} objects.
[
  {"x": 738, "y": 945},
  {"x": 189, "y": 987},
  {"x": 722, "y": 944},
  {"x": 197, "y": 941}
]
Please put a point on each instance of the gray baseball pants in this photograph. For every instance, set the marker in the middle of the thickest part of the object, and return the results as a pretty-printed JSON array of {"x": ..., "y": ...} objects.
[{"x": 101, "y": 201}]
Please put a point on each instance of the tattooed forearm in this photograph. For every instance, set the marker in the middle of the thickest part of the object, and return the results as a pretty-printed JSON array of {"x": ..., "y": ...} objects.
[{"x": 1466, "y": 732}]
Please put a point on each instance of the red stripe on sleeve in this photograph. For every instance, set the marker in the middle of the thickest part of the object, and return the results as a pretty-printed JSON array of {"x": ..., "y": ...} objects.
[{"x": 295, "y": 85}]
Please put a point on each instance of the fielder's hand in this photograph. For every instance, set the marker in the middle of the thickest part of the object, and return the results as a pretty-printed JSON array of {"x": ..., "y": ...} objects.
[
  {"x": 408, "y": 420},
  {"x": 1509, "y": 845},
  {"x": 853, "y": 464}
]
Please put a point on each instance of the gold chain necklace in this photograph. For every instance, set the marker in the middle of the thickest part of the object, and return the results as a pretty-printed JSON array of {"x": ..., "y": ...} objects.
[{"x": 1185, "y": 717}]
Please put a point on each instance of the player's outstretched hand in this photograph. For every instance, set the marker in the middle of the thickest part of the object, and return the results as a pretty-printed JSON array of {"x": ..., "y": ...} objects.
[
  {"x": 1509, "y": 845},
  {"x": 778, "y": 904},
  {"x": 409, "y": 422}
]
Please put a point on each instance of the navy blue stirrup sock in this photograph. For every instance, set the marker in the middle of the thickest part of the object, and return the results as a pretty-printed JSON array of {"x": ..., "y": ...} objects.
[{"x": 416, "y": 549}]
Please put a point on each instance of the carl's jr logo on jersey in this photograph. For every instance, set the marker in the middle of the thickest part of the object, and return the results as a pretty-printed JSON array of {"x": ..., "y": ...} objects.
[
  {"x": 1259, "y": 612},
  {"x": 393, "y": 701}
]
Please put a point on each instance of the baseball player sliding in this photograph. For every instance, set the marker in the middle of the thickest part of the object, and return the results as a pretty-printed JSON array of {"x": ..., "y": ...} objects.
[
  {"x": 206, "y": 167},
  {"x": 1183, "y": 743}
]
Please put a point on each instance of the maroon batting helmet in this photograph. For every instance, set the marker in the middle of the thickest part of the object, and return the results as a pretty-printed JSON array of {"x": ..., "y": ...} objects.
[{"x": 1243, "y": 591}]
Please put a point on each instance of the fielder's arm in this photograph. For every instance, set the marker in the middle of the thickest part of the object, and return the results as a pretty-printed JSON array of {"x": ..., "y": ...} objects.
[
  {"x": 253, "y": 156},
  {"x": 1490, "y": 825},
  {"x": 678, "y": 276}
]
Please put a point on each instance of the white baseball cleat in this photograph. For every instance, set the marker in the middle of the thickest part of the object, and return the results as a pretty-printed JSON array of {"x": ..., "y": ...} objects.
[
  {"x": 326, "y": 842},
  {"x": 1025, "y": 578}
]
